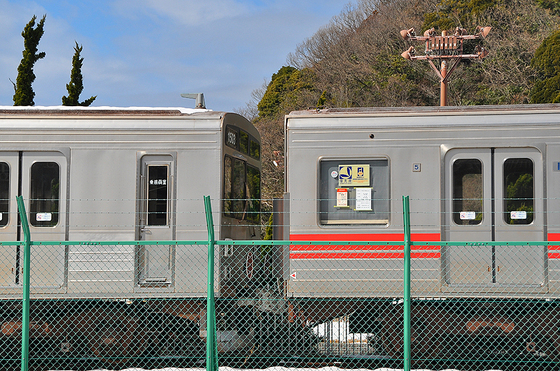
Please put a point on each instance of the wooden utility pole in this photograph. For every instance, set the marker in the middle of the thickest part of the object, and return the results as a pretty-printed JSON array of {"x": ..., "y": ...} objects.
[{"x": 447, "y": 50}]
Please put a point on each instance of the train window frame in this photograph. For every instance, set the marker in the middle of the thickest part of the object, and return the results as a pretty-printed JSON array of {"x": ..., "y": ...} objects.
[
  {"x": 44, "y": 212},
  {"x": 461, "y": 215},
  {"x": 348, "y": 215}
]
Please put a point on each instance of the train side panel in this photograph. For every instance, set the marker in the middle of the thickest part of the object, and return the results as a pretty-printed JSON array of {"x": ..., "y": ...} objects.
[{"x": 423, "y": 151}]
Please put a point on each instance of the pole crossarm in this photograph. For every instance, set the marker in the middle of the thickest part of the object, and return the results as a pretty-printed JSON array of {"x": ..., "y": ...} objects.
[{"x": 444, "y": 48}]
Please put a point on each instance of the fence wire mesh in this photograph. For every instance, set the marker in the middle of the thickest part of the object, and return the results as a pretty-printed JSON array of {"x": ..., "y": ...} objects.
[{"x": 310, "y": 300}]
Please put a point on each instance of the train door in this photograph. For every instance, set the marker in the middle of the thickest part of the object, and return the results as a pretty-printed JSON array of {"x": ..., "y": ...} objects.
[
  {"x": 494, "y": 194},
  {"x": 41, "y": 178},
  {"x": 157, "y": 220}
]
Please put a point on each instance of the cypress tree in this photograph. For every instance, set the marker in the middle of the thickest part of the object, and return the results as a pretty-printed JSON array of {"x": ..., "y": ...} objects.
[
  {"x": 24, "y": 93},
  {"x": 75, "y": 86}
]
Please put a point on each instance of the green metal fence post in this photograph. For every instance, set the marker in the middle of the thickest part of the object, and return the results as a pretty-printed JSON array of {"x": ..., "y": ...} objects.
[
  {"x": 211, "y": 345},
  {"x": 406, "y": 298},
  {"x": 26, "y": 269}
]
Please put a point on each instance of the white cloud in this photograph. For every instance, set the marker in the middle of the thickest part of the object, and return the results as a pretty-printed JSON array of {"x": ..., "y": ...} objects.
[{"x": 186, "y": 12}]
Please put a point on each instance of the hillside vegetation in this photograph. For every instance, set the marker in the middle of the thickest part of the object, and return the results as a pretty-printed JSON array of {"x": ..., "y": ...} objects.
[{"x": 355, "y": 60}]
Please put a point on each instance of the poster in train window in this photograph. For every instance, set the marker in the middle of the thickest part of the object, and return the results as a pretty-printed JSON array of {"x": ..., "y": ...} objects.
[
  {"x": 353, "y": 175},
  {"x": 44, "y": 196},
  {"x": 354, "y": 191},
  {"x": 4, "y": 193},
  {"x": 157, "y": 195}
]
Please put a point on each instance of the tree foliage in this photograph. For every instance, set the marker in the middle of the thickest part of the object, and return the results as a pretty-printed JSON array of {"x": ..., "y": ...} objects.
[
  {"x": 284, "y": 92},
  {"x": 552, "y": 5},
  {"x": 355, "y": 60},
  {"x": 547, "y": 64},
  {"x": 24, "y": 93},
  {"x": 76, "y": 86}
]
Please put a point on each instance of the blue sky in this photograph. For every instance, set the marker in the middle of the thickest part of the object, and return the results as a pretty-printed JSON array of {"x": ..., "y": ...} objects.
[{"x": 148, "y": 52}]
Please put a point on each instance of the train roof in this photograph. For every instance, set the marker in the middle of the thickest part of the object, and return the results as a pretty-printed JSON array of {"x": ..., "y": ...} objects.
[
  {"x": 65, "y": 117},
  {"x": 426, "y": 116},
  {"x": 101, "y": 111}
]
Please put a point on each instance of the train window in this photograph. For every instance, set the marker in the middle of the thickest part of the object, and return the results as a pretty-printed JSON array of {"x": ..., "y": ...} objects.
[
  {"x": 4, "y": 193},
  {"x": 232, "y": 137},
  {"x": 44, "y": 196},
  {"x": 234, "y": 187},
  {"x": 253, "y": 193},
  {"x": 243, "y": 142},
  {"x": 255, "y": 149},
  {"x": 467, "y": 192},
  {"x": 227, "y": 185},
  {"x": 519, "y": 191},
  {"x": 242, "y": 190},
  {"x": 354, "y": 192},
  {"x": 158, "y": 185}
]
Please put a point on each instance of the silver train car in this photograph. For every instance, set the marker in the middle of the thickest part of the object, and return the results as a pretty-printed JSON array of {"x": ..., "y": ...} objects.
[
  {"x": 126, "y": 174},
  {"x": 472, "y": 173}
]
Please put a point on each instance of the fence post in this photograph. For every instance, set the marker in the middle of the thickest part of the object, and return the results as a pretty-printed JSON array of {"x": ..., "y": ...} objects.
[
  {"x": 406, "y": 298},
  {"x": 25, "y": 299},
  {"x": 211, "y": 345}
]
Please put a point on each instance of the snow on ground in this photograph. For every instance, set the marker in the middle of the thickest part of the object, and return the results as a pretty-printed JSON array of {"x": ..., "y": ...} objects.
[{"x": 275, "y": 369}]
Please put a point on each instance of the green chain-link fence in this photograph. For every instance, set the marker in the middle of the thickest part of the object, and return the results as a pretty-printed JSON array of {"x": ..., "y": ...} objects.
[{"x": 405, "y": 302}]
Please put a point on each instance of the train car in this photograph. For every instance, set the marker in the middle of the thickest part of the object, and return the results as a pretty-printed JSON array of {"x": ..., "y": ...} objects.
[
  {"x": 472, "y": 174},
  {"x": 127, "y": 174}
]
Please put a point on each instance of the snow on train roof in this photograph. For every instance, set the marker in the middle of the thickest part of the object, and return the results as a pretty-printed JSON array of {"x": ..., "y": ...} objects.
[
  {"x": 78, "y": 110},
  {"x": 537, "y": 114},
  {"x": 65, "y": 117}
]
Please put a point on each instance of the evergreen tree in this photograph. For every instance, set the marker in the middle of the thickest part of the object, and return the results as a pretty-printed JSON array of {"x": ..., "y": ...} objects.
[
  {"x": 547, "y": 64},
  {"x": 32, "y": 35},
  {"x": 75, "y": 86}
]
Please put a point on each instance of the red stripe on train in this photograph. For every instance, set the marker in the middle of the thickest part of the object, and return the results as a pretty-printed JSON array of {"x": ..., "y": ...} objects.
[
  {"x": 553, "y": 237},
  {"x": 361, "y": 252},
  {"x": 361, "y": 255},
  {"x": 389, "y": 237}
]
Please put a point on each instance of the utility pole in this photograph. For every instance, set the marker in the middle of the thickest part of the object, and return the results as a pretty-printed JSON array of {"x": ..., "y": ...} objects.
[{"x": 447, "y": 50}]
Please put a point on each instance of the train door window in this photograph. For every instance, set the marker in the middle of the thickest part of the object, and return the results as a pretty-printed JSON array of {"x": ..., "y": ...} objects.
[
  {"x": 4, "y": 193},
  {"x": 158, "y": 195},
  {"x": 354, "y": 192},
  {"x": 253, "y": 193},
  {"x": 519, "y": 191},
  {"x": 254, "y": 149},
  {"x": 467, "y": 192},
  {"x": 44, "y": 195},
  {"x": 234, "y": 187}
]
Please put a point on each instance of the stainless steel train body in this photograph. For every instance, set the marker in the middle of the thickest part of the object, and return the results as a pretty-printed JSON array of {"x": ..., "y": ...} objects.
[
  {"x": 475, "y": 174},
  {"x": 111, "y": 174},
  {"x": 124, "y": 175},
  {"x": 424, "y": 153}
]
